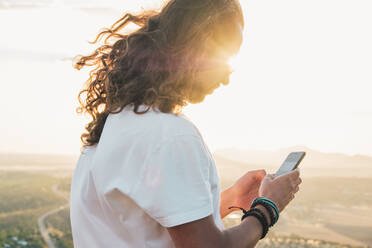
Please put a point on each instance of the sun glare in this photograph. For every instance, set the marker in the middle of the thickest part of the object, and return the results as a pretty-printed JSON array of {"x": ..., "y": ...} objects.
[{"x": 234, "y": 63}]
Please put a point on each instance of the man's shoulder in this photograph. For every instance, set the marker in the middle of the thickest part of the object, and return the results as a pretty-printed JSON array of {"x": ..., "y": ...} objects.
[
  {"x": 154, "y": 125},
  {"x": 172, "y": 125}
]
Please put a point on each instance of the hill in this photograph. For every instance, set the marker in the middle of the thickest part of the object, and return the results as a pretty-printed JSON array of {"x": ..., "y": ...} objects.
[{"x": 315, "y": 163}]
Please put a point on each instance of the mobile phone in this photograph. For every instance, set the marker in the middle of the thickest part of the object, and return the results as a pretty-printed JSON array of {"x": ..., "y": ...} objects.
[{"x": 290, "y": 163}]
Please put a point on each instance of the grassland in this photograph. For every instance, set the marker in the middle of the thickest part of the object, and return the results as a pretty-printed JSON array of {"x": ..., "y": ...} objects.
[{"x": 329, "y": 212}]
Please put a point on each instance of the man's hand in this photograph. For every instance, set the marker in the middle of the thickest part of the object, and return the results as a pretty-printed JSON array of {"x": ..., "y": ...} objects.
[
  {"x": 242, "y": 192},
  {"x": 282, "y": 189},
  {"x": 246, "y": 188}
]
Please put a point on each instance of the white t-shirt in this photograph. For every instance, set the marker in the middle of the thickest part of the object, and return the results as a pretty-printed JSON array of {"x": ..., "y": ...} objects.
[{"x": 147, "y": 172}]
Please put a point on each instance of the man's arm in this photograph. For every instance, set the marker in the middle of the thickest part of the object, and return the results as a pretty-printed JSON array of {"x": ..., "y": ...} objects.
[
  {"x": 204, "y": 233},
  {"x": 227, "y": 200}
]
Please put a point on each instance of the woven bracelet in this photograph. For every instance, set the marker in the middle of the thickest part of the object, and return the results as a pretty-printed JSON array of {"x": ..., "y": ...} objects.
[
  {"x": 272, "y": 204},
  {"x": 261, "y": 218},
  {"x": 259, "y": 215},
  {"x": 268, "y": 201},
  {"x": 269, "y": 207}
]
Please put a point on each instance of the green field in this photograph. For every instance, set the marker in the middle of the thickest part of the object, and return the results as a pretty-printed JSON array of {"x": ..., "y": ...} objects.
[
  {"x": 24, "y": 197},
  {"x": 27, "y": 195}
]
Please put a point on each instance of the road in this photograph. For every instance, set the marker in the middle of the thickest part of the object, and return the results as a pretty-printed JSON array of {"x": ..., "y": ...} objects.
[{"x": 42, "y": 227}]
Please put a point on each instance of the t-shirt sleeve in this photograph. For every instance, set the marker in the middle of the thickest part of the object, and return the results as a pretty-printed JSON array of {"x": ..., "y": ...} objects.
[{"x": 174, "y": 184}]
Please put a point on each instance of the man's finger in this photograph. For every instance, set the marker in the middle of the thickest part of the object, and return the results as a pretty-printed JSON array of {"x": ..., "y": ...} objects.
[
  {"x": 299, "y": 181},
  {"x": 296, "y": 189},
  {"x": 294, "y": 174},
  {"x": 258, "y": 174}
]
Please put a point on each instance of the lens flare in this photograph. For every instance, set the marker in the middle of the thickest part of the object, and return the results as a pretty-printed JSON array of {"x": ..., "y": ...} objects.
[{"x": 233, "y": 63}]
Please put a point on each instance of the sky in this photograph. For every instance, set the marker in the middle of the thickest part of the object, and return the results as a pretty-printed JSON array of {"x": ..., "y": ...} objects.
[{"x": 302, "y": 77}]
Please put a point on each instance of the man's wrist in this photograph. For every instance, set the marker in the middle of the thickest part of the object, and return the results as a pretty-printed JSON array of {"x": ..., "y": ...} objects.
[{"x": 267, "y": 214}]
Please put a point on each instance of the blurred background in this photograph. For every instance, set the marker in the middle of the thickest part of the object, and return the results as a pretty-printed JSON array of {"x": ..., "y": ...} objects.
[{"x": 302, "y": 82}]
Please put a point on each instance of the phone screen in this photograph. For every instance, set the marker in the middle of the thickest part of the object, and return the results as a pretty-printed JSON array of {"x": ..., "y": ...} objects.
[{"x": 290, "y": 163}]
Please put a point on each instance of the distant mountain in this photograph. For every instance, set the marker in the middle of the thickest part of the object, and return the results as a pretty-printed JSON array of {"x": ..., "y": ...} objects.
[
  {"x": 233, "y": 163},
  {"x": 313, "y": 158},
  {"x": 9, "y": 159}
]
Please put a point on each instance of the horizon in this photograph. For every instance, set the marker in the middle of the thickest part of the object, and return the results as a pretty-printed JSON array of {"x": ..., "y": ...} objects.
[{"x": 218, "y": 151}]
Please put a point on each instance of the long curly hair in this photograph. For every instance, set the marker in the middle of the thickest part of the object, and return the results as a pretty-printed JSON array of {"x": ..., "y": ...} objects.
[{"x": 155, "y": 65}]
